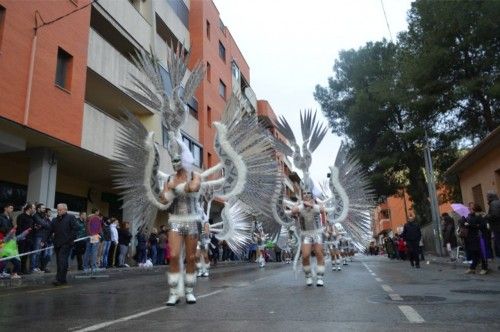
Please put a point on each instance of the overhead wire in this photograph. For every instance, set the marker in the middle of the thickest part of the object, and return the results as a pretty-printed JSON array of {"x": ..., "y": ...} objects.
[{"x": 386, "y": 20}]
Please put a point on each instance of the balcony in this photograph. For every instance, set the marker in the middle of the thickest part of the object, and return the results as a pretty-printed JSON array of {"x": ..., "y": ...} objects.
[
  {"x": 109, "y": 64},
  {"x": 169, "y": 25},
  {"x": 98, "y": 132},
  {"x": 128, "y": 19}
]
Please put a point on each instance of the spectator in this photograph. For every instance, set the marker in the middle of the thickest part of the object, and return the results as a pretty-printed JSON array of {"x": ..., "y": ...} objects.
[
  {"x": 124, "y": 238},
  {"x": 449, "y": 235},
  {"x": 47, "y": 253},
  {"x": 153, "y": 245},
  {"x": 6, "y": 219},
  {"x": 37, "y": 235},
  {"x": 106, "y": 237},
  {"x": 114, "y": 242},
  {"x": 402, "y": 248},
  {"x": 79, "y": 247},
  {"x": 421, "y": 249},
  {"x": 476, "y": 224},
  {"x": 412, "y": 235},
  {"x": 63, "y": 228},
  {"x": 214, "y": 249},
  {"x": 162, "y": 245},
  {"x": 141, "y": 248},
  {"x": 8, "y": 248},
  {"x": 6, "y": 226},
  {"x": 94, "y": 229},
  {"x": 493, "y": 218},
  {"x": 25, "y": 221}
]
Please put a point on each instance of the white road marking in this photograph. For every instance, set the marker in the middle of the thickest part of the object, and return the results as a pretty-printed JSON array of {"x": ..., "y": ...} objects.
[
  {"x": 373, "y": 274},
  {"x": 387, "y": 288},
  {"x": 139, "y": 314},
  {"x": 411, "y": 314},
  {"x": 395, "y": 297},
  {"x": 378, "y": 279}
]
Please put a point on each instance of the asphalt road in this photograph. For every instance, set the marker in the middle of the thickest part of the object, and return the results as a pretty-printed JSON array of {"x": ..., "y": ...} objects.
[{"x": 371, "y": 294}]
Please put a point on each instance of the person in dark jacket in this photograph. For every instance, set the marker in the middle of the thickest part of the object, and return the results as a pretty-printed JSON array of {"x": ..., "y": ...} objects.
[
  {"x": 412, "y": 235},
  {"x": 79, "y": 247},
  {"x": 449, "y": 235},
  {"x": 44, "y": 233},
  {"x": 493, "y": 218},
  {"x": 476, "y": 225},
  {"x": 25, "y": 221},
  {"x": 6, "y": 219},
  {"x": 141, "y": 248},
  {"x": 40, "y": 226},
  {"x": 63, "y": 229},
  {"x": 124, "y": 238}
]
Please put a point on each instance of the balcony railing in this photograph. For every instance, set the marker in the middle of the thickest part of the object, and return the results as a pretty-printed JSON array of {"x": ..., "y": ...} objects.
[{"x": 110, "y": 64}]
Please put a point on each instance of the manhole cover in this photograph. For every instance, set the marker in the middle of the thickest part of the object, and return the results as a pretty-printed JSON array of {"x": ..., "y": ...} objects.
[
  {"x": 475, "y": 291},
  {"x": 421, "y": 299}
]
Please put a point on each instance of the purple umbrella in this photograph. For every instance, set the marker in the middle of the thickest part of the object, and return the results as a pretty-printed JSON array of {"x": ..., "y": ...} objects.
[{"x": 460, "y": 209}]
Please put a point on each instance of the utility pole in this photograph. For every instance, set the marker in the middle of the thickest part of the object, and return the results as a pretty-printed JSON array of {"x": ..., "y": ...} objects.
[{"x": 431, "y": 186}]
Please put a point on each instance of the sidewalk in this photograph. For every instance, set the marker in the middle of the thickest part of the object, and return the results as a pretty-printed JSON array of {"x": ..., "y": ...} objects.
[
  {"x": 431, "y": 259},
  {"x": 43, "y": 278}
]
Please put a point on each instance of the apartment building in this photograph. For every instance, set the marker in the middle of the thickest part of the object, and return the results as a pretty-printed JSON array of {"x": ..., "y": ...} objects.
[{"x": 64, "y": 66}]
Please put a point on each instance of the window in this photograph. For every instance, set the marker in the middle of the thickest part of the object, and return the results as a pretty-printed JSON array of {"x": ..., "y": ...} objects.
[
  {"x": 222, "y": 89},
  {"x": 2, "y": 23},
  {"x": 222, "y": 51},
  {"x": 209, "y": 116},
  {"x": 195, "y": 149},
  {"x": 208, "y": 30},
  {"x": 63, "y": 69},
  {"x": 181, "y": 10},
  {"x": 209, "y": 72}
]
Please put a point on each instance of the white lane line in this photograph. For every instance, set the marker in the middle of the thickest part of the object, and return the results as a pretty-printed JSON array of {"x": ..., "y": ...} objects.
[
  {"x": 373, "y": 274},
  {"x": 387, "y": 288},
  {"x": 395, "y": 297},
  {"x": 378, "y": 279},
  {"x": 411, "y": 314},
  {"x": 139, "y": 314}
]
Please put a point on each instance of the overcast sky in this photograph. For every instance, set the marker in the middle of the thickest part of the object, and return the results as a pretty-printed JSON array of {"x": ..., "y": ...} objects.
[{"x": 291, "y": 46}]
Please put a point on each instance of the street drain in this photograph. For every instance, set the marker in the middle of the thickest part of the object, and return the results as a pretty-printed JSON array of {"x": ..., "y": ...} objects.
[
  {"x": 475, "y": 291},
  {"x": 420, "y": 299}
]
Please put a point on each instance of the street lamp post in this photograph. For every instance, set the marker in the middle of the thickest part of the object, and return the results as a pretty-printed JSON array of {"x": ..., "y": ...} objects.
[{"x": 431, "y": 186}]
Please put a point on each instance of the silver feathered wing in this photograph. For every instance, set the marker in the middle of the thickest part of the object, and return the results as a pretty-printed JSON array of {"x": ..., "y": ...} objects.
[
  {"x": 250, "y": 172},
  {"x": 137, "y": 161},
  {"x": 351, "y": 199}
]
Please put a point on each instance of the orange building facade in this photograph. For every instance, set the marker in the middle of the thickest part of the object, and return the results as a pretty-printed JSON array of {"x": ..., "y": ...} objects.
[
  {"x": 63, "y": 88},
  {"x": 28, "y": 60},
  {"x": 390, "y": 216},
  {"x": 226, "y": 71}
]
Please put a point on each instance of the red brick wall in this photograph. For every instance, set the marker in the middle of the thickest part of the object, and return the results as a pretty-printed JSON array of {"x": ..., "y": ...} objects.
[{"x": 52, "y": 110}]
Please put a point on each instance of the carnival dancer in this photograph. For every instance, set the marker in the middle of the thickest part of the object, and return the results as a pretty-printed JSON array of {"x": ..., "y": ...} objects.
[
  {"x": 203, "y": 262},
  {"x": 344, "y": 248},
  {"x": 244, "y": 150},
  {"x": 311, "y": 229},
  {"x": 182, "y": 191},
  {"x": 332, "y": 245},
  {"x": 260, "y": 239}
]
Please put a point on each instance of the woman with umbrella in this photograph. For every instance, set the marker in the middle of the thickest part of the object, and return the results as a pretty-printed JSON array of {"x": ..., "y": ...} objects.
[{"x": 476, "y": 226}]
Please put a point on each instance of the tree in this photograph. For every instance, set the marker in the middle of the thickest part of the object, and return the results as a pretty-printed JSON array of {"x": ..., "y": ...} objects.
[
  {"x": 367, "y": 103},
  {"x": 440, "y": 78}
]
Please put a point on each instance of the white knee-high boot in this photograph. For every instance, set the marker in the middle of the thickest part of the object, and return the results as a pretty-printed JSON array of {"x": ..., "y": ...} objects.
[
  {"x": 199, "y": 268},
  {"x": 308, "y": 274},
  {"x": 206, "y": 267},
  {"x": 320, "y": 272},
  {"x": 190, "y": 282},
  {"x": 173, "y": 282}
]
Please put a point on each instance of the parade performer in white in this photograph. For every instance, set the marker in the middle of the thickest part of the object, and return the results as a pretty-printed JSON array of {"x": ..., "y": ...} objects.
[{"x": 243, "y": 147}]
